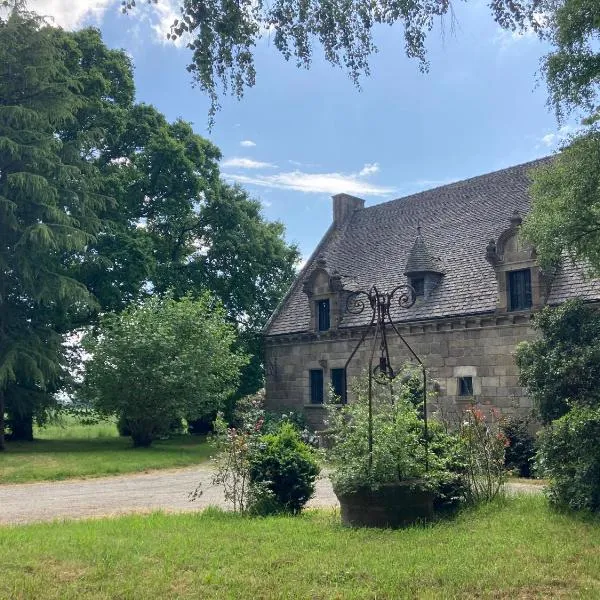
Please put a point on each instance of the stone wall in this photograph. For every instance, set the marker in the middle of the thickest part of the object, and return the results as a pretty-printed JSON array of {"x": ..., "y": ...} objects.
[{"x": 480, "y": 347}]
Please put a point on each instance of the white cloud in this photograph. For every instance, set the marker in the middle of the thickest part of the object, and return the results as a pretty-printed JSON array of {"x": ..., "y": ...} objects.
[
  {"x": 505, "y": 38},
  {"x": 553, "y": 139},
  {"x": 247, "y": 144},
  {"x": 369, "y": 169},
  {"x": 246, "y": 163},
  {"x": 165, "y": 13},
  {"x": 71, "y": 14},
  {"x": 316, "y": 183}
]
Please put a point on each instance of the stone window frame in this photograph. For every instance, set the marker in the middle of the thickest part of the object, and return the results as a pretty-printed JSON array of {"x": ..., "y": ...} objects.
[
  {"x": 453, "y": 386},
  {"x": 508, "y": 254},
  {"x": 319, "y": 286}
]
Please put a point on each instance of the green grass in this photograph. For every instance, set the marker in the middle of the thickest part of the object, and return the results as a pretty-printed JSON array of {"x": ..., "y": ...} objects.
[
  {"x": 69, "y": 449},
  {"x": 515, "y": 549}
]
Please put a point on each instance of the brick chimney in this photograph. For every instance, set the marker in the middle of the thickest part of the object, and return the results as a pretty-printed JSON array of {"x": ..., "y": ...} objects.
[{"x": 344, "y": 206}]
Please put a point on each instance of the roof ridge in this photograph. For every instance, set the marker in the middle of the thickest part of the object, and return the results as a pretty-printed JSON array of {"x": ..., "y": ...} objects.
[{"x": 468, "y": 180}]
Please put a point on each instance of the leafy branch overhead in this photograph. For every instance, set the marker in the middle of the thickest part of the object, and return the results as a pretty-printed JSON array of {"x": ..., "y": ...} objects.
[{"x": 223, "y": 34}]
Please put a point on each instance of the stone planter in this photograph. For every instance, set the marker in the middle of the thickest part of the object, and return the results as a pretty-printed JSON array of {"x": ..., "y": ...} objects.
[{"x": 392, "y": 505}]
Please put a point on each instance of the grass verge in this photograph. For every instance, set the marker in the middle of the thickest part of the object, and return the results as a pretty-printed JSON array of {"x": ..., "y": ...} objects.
[
  {"x": 69, "y": 449},
  {"x": 518, "y": 548}
]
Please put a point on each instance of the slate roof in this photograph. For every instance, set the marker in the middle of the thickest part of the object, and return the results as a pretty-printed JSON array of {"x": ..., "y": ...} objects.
[{"x": 457, "y": 221}]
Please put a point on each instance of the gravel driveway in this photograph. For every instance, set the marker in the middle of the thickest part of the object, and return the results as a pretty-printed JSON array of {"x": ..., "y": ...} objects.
[{"x": 145, "y": 492}]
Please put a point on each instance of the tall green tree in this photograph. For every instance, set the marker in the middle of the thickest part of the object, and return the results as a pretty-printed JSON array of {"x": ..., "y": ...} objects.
[
  {"x": 144, "y": 209},
  {"x": 48, "y": 203},
  {"x": 566, "y": 194}
]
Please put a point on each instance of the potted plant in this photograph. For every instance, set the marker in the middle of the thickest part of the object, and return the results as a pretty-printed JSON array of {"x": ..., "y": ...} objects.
[{"x": 384, "y": 475}]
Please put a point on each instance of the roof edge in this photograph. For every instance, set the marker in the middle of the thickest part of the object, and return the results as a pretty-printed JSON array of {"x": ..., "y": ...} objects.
[{"x": 529, "y": 164}]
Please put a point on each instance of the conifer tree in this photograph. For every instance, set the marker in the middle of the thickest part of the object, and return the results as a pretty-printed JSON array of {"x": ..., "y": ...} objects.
[{"x": 48, "y": 204}]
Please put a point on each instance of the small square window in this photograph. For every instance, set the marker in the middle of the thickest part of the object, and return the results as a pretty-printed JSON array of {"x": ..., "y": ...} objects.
[
  {"x": 323, "y": 320},
  {"x": 316, "y": 386},
  {"x": 465, "y": 386},
  {"x": 418, "y": 284}
]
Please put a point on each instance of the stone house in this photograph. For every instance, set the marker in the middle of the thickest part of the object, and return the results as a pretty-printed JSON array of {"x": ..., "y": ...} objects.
[{"x": 477, "y": 285}]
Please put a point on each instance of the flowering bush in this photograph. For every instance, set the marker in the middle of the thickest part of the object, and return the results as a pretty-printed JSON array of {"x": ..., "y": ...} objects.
[{"x": 484, "y": 445}]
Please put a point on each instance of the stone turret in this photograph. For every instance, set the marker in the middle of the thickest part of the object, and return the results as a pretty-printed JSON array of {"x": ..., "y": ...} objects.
[{"x": 423, "y": 270}]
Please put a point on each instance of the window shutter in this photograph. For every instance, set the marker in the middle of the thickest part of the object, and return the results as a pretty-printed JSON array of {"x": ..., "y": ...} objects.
[
  {"x": 338, "y": 383},
  {"x": 323, "y": 315},
  {"x": 316, "y": 386},
  {"x": 519, "y": 289}
]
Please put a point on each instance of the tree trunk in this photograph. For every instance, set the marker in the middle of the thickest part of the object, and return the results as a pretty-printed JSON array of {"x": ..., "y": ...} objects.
[
  {"x": 21, "y": 427},
  {"x": 2, "y": 445}
]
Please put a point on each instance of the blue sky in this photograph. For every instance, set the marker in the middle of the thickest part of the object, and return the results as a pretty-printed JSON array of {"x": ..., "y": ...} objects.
[{"x": 300, "y": 136}]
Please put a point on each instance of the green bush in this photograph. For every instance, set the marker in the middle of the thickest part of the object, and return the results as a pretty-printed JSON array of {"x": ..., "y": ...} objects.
[
  {"x": 561, "y": 368},
  {"x": 398, "y": 452},
  {"x": 520, "y": 452},
  {"x": 285, "y": 468},
  {"x": 569, "y": 457}
]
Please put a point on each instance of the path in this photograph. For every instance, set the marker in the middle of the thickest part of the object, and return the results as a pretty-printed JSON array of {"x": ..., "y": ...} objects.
[{"x": 145, "y": 492}]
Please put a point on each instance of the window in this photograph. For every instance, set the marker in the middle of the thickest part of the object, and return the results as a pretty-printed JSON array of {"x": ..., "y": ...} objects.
[
  {"x": 323, "y": 315},
  {"x": 465, "y": 386},
  {"x": 316, "y": 386},
  {"x": 338, "y": 383},
  {"x": 519, "y": 289},
  {"x": 418, "y": 284}
]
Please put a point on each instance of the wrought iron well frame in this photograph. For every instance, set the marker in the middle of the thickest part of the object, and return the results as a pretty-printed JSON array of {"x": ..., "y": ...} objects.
[{"x": 380, "y": 303}]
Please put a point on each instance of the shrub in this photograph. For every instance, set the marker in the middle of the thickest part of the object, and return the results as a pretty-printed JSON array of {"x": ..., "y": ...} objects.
[
  {"x": 484, "y": 446},
  {"x": 398, "y": 452},
  {"x": 561, "y": 368},
  {"x": 569, "y": 457},
  {"x": 520, "y": 453},
  {"x": 286, "y": 467},
  {"x": 262, "y": 473},
  {"x": 160, "y": 361}
]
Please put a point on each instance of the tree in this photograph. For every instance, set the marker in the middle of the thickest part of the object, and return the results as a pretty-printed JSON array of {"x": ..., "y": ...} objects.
[
  {"x": 561, "y": 369},
  {"x": 160, "y": 360},
  {"x": 48, "y": 199},
  {"x": 223, "y": 34},
  {"x": 565, "y": 216},
  {"x": 565, "y": 193},
  {"x": 161, "y": 218}
]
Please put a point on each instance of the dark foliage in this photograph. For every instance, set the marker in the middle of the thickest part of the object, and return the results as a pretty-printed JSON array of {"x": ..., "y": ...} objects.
[
  {"x": 286, "y": 467},
  {"x": 569, "y": 457}
]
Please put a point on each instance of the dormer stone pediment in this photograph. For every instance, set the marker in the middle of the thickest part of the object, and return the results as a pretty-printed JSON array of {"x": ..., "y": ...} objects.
[
  {"x": 324, "y": 291},
  {"x": 514, "y": 259}
]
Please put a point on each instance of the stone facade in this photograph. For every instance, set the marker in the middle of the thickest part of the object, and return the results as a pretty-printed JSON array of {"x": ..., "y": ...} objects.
[
  {"x": 481, "y": 348},
  {"x": 475, "y": 281}
]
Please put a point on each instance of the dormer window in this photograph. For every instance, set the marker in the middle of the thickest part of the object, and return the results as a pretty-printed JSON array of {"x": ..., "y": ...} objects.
[
  {"x": 522, "y": 285},
  {"x": 418, "y": 284},
  {"x": 324, "y": 291},
  {"x": 323, "y": 315},
  {"x": 424, "y": 271},
  {"x": 519, "y": 289}
]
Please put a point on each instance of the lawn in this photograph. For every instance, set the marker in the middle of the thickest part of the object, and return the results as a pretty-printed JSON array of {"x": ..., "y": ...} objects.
[
  {"x": 517, "y": 549},
  {"x": 70, "y": 449}
]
